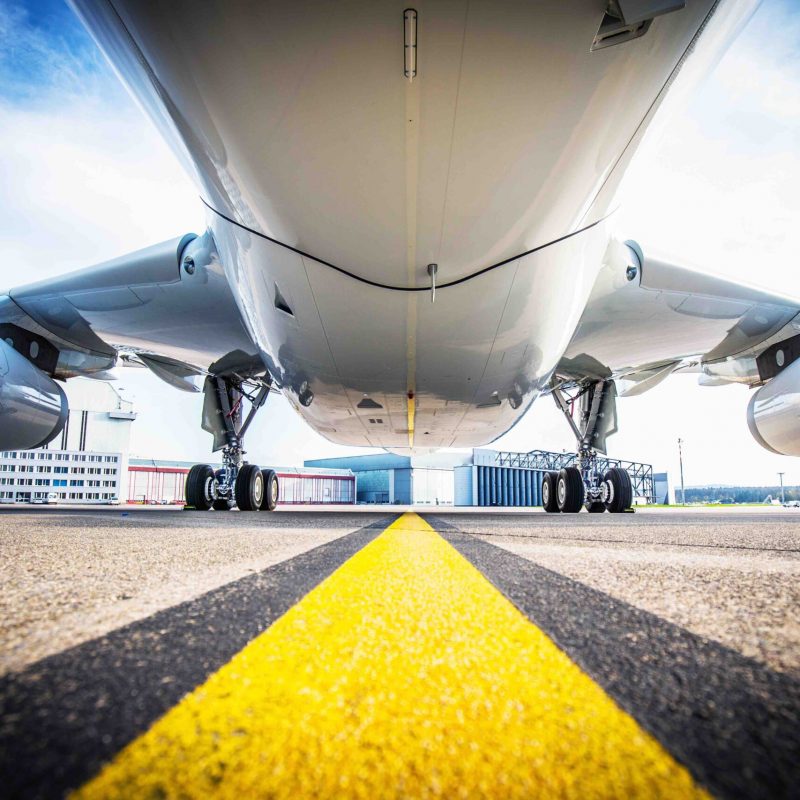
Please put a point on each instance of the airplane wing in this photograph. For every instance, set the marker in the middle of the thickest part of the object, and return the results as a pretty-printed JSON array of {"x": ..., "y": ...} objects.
[
  {"x": 167, "y": 307},
  {"x": 167, "y": 303},
  {"x": 647, "y": 318}
]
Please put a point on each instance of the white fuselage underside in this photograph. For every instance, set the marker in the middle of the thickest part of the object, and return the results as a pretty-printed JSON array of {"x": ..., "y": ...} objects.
[{"x": 297, "y": 123}]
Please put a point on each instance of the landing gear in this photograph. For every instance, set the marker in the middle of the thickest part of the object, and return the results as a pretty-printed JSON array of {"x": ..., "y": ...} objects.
[
  {"x": 237, "y": 483},
  {"x": 569, "y": 490},
  {"x": 584, "y": 483},
  {"x": 200, "y": 487},
  {"x": 617, "y": 490},
  {"x": 270, "y": 499},
  {"x": 249, "y": 488},
  {"x": 549, "y": 501}
]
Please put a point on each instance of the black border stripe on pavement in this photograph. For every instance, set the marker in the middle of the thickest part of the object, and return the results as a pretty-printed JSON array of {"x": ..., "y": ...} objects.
[
  {"x": 731, "y": 720},
  {"x": 64, "y": 716}
]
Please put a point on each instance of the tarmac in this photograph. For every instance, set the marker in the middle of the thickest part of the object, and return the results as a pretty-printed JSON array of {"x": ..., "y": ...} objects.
[{"x": 383, "y": 653}]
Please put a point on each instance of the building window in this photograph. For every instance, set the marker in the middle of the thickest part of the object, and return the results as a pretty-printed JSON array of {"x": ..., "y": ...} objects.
[
  {"x": 76, "y": 483},
  {"x": 42, "y": 482},
  {"x": 59, "y": 483}
]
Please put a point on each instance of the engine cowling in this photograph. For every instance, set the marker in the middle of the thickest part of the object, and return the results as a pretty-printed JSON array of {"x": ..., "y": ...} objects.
[
  {"x": 773, "y": 414},
  {"x": 33, "y": 407}
]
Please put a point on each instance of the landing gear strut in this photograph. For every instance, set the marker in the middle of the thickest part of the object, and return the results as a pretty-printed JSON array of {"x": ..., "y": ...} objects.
[
  {"x": 237, "y": 483},
  {"x": 584, "y": 484}
]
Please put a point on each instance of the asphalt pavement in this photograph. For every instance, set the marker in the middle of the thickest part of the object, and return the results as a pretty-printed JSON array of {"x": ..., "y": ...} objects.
[{"x": 362, "y": 655}]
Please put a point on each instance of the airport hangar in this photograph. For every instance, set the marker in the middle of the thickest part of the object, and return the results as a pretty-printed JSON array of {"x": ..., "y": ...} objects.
[{"x": 479, "y": 477}]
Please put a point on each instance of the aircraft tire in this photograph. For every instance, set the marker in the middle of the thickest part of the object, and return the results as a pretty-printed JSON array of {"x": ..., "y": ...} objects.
[
  {"x": 620, "y": 490},
  {"x": 569, "y": 490},
  {"x": 549, "y": 501},
  {"x": 200, "y": 487},
  {"x": 249, "y": 488},
  {"x": 270, "y": 496},
  {"x": 598, "y": 507}
]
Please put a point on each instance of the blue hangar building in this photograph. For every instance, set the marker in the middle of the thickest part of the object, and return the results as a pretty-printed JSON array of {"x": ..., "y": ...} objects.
[{"x": 479, "y": 477}]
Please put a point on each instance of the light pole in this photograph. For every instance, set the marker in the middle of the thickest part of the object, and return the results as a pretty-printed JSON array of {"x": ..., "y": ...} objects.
[
  {"x": 783, "y": 499},
  {"x": 680, "y": 458}
]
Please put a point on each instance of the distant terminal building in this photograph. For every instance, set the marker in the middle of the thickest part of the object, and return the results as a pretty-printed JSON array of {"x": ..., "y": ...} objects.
[
  {"x": 87, "y": 463},
  {"x": 480, "y": 477},
  {"x": 159, "y": 482}
]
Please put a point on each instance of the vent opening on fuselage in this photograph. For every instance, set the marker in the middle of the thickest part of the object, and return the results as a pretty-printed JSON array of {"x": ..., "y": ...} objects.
[
  {"x": 368, "y": 402},
  {"x": 281, "y": 304},
  {"x": 625, "y": 20}
]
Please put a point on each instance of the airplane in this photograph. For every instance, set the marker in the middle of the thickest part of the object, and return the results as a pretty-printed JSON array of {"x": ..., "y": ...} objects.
[{"x": 410, "y": 233}]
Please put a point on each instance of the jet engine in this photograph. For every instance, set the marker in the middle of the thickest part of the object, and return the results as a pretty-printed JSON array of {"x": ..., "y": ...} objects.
[
  {"x": 33, "y": 407},
  {"x": 773, "y": 414}
]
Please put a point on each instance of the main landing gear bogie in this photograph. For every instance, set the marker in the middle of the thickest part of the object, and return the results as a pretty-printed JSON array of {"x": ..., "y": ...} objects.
[
  {"x": 254, "y": 489},
  {"x": 565, "y": 491}
]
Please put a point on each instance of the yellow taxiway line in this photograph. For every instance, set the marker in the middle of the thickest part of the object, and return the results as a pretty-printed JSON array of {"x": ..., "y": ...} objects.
[{"x": 403, "y": 674}]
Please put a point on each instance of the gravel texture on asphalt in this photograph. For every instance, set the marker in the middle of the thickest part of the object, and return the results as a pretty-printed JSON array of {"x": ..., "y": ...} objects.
[
  {"x": 69, "y": 577},
  {"x": 732, "y": 577},
  {"x": 63, "y": 716},
  {"x": 732, "y": 720}
]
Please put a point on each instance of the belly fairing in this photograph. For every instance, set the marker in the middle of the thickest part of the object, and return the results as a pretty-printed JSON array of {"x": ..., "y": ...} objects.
[{"x": 473, "y": 360}]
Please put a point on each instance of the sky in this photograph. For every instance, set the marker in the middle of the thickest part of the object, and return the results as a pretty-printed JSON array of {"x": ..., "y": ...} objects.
[{"x": 84, "y": 177}]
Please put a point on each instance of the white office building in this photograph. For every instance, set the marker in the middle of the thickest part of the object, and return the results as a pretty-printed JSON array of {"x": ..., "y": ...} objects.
[{"x": 86, "y": 463}]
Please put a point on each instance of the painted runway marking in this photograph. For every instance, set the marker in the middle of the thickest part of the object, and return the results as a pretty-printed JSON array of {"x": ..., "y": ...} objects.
[{"x": 404, "y": 674}]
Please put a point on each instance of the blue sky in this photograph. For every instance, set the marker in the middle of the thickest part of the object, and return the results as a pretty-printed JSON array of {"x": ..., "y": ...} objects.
[{"x": 84, "y": 177}]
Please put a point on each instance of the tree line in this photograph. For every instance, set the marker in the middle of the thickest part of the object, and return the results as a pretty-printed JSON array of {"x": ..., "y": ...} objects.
[{"x": 736, "y": 494}]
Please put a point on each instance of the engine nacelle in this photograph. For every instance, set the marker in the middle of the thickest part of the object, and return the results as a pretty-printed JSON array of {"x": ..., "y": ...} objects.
[
  {"x": 773, "y": 414},
  {"x": 33, "y": 407}
]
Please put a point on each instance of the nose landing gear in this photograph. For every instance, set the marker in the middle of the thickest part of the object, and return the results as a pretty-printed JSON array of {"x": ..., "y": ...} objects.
[{"x": 237, "y": 484}]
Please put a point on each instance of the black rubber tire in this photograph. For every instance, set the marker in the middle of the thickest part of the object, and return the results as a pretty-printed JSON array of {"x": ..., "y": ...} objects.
[
  {"x": 199, "y": 483},
  {"x": 620, "y": 490},
  {"x": 249, "y": 489},
  {"x": 271, "y": 490},
  {"x": 549, "y": 501},
  {"x": 222, "y": 504},
  {"x": 569, "y": 490},
  {"x": 598, "y": 507}
]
